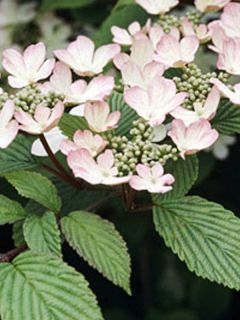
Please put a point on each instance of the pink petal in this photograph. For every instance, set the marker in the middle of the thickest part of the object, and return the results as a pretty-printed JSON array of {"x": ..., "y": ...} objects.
[
  {"x": 100, "y": 87},
  {"x": 132, "y": 75},
  {"x": 104, "y": 55},
  {"x": 113, "y": 119},
  {"x": 7, "y": 112},
  {"x": 61, "y": 78},
  {"x": 34, "y": 56},
  {"x": 106, "y": 159},
  {"x": 143, "y": 171},
  {"x": 13, "y": 62},
  {"x": 45, "y": 70},
  {"x": 17, "y": 82},
  {"x": 142, "y": 52},
  {"x": 8, "y": 134},
  {"x": 120, "y": 59},
  {"x": 121, "y": 36},
  {"x": 137, "y": 183},
  {"x": 189, "y": 46},
  {"x": 157, "y": 170},
  {"x": 138, "y": 100}
]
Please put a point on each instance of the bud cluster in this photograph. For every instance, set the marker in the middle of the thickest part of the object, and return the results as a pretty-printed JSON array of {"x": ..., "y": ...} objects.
[
  {"x": 168, "y": 21},
  {"x": 194, "y": 17},
  {"x": 29, "y": 97},
  {"x": 196, "y": 84},
  {"x": 139, "y": 148}
]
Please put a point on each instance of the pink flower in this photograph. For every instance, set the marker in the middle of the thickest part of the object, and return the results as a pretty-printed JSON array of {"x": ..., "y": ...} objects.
[
  {"x": 156, "y": 102},
  {"x": 81, "y": 56},
  {"x": 54, "y": 138},
  {"x": 29, "y": 67},
  {"x": 230, "y": 20},
  {"x": 151, "y": 179},
  {"x": 157, "y": 6},
  {"x": 210, "y": 5},
  {"x": 44, "y": 118},
  {"x": 229, "y": 58},
  {"x": 99, "y": 117},
  {"x": 142, "y": 53},
  {"x": 8, "y": 126},
  {"x": 100, "y": 171},
  {"x": 176, "y": 53},
  {"x": 134, "y": 75},
  {"x": 218, "y": 36},
  {"x": 205, "y": 110},
  {"x": 193, "y": 138},
  {"x": 233, "y": 96},
  {"x": 84, "y": 140},
  {"x": 78, "y": 92},
  {"x": 201, "y": 31},
  {"x": 126, "y": 37}
]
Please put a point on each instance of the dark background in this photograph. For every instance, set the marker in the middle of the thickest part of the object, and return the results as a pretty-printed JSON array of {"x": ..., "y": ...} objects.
[{"x": 163, "y": 288}]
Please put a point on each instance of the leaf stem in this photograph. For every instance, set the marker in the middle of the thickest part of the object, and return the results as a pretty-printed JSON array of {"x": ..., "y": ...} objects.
[
  {"x": 8, "y": 256},
  {"x": 60, "y": 172}
]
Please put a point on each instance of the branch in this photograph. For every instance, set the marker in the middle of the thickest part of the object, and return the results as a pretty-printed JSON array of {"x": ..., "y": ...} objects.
[
  {"x": 61, "y": 172},
  {"x": 8, "y": 256}
]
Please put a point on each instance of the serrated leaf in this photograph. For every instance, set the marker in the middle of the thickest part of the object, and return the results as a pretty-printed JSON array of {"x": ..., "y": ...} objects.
[
  {"x": 65, "y": 4},
  {"x": 35, "y": 287},
  {"x": 42, "y": 234},
  {"x": 98, "y": 242},
  {"x": 17, "y": 233},
  {"x": 17, "y": 156},
  {"x": 37, "y": 187},
  {"x": 69, "y": 124},
  {"x": 185, "y": 173},
  {"x": 204, "y": 235},
  {"x": 227, "y": 120},
  {"x": 10, "y": 211},
  {"x": 128, "y": 115}
]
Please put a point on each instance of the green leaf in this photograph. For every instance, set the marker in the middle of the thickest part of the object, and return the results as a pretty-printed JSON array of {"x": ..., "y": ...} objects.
[
  {"x": 227, "y": 120},
  {"x": 65, "y": 4},
  {"x": 74, "y": 199},
  {"x": 17, "y": 233},
  {"x": 204, "y": 235},
  {"x": 185, "y": 173},
  {"x": 69, "y": 124},
  {"x": 122, "y": 15},
  {"x": 17, "y": 156},
  {"x": 37, "y": 187},
  {"x": 98, "y": 242},
  {"x": 10, "y": 211},
  {"x": 35, "y": 287},
  {"x": 42, "y": 234},
  {"x": 128, "y": 115}
]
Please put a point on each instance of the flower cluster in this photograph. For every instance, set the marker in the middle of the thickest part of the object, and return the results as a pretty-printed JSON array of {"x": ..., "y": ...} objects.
[{"x": 169, "y": 102}]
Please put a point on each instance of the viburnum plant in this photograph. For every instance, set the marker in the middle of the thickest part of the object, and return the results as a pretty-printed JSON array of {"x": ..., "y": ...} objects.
[{"x": 121, "y": 121}]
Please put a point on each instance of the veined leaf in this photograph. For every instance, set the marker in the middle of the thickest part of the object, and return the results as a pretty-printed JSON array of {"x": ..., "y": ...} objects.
[
  {"x": 17, "y": 233},
  {"x": 128, "y": 115},
  {"x": 17, "y": 156},
  {"x": 227, "y": 120},
  {"x": 185, "y": 173},
  {"x": 10, "y": 211},
  {"x": 42, "y": 234},
  {"x": 69, "y": 124},
  {"x": 204, "y": 235},
  {"x": 35, "y": 287},
  {"x": 35, "y": 186},
  {"x": 99, "y": 243}
]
